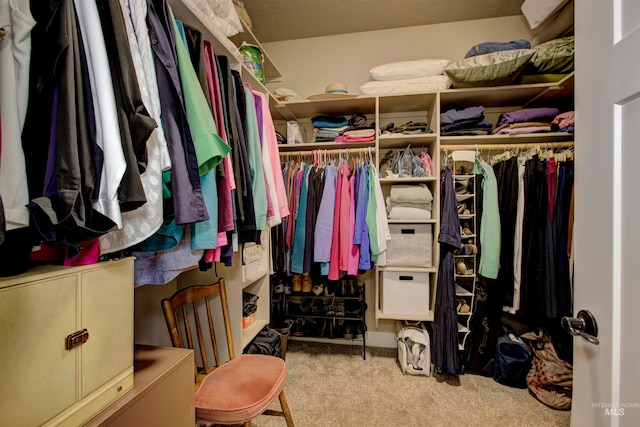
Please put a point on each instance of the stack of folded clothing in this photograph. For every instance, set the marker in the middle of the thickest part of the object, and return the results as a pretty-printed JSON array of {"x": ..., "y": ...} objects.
[
  {"x": 532, "y": 120},
  {"x": 465, "y": 121},
  {"x": 407, "y": 201},
  {"x": 358, "y": 130},
  {"x": 408, "y": 128},
  {"x": 249, "y": 304},
  {"x": 564, "y": 122},
  {"x": 328, "y": 128}
]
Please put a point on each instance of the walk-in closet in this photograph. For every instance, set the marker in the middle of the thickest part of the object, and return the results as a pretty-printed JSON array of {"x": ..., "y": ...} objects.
[{"x": 238, "y": 212}]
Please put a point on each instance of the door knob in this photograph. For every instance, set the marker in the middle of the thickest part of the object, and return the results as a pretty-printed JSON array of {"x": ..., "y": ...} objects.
[{"x": 584, "y": 325}]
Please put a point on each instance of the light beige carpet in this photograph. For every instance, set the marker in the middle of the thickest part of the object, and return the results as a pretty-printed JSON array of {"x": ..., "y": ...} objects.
[{"x": 330, "y": 385}]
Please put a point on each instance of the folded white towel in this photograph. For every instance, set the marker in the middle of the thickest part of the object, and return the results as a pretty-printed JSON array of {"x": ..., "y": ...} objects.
[
  {"x": 401, "y": 212},
  {"x": 419, "y": 193}
]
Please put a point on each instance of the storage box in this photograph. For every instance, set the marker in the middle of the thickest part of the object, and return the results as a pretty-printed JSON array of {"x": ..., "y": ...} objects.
[
  {"x": 410, "y": 245},
  {"x": 404, "y": 293},
  {"x": 248, "y": 320},
  {"x": 255, "y": 259}
]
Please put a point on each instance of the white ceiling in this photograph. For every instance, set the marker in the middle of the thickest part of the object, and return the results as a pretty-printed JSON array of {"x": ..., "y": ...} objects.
[{"x": 275, "y": 20}]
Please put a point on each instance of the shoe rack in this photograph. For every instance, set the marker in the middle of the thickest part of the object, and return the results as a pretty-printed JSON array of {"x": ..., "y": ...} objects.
[
  {"x": 466, "y": 258},
  {"x": 320, "y": 310}
]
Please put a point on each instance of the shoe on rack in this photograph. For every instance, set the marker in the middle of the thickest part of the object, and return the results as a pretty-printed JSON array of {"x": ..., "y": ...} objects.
[
  {"x": 307, "y": 283},
  {"x": 461, "y": 267},
  {"x": 464, "y": 307},
  {"x": 278, "y": 289},
  {"x": 465, "y": 230},
  {"x": 296, "y": 281},
  {"x": 469, "y": 249},
  {"x": 329, "y": 289},
  {"x": 287, "y": 289},
  {"x": 317, "y": 306},
  {"x": 348, "y": 332},
  {"x": 358, "y": 331},
  {"x": 318, "y": 289},
  {"x": 305, "y": 306},
  {"x": 330, "y": 309}
]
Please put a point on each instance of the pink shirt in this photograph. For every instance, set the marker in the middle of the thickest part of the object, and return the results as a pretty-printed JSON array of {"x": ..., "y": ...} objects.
[
  {"x": 334, "y": 270},
  {"x": 346, "y": 238},
  {"x": 354, "y": 249}
]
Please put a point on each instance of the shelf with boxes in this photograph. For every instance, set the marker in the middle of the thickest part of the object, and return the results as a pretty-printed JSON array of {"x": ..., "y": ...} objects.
[{"x": 408, "y": 156}]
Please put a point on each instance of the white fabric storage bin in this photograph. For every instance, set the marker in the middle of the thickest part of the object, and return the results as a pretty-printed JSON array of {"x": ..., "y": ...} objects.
[
  {"x": 404, "y": 293},
  {"x": 410, "y": 245}
]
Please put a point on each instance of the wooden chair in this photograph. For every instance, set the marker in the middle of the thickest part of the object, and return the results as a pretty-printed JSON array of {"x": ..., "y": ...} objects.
[{"x": 233, "y": 392}]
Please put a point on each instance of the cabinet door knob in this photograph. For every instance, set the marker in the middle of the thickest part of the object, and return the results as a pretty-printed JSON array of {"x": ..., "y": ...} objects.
[{"x": 77, "y": 338}]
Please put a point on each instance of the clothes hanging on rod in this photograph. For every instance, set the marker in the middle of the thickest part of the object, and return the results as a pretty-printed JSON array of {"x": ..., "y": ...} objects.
[
  {"x": 203, "y": 181},
  {"x": 334, "y": 227},
  {"x": 532, "y": 238}
]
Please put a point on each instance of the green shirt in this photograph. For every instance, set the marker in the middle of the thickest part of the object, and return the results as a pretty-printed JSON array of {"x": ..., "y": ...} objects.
[{"x": 490, "y": 223}]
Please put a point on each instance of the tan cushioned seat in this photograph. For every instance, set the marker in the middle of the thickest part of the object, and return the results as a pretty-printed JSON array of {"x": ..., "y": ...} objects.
[{"x": 241, "y": 389}]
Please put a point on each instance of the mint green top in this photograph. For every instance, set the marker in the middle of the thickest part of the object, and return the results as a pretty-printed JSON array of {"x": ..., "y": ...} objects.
[
  {"x": 254, "y": 153},
  {"x": 490, "y": 222},
  {"x": 210, "y": 148}
]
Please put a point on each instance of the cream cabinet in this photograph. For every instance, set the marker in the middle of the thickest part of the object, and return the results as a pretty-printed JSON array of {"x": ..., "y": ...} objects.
[{"x": 67, "y": 342}]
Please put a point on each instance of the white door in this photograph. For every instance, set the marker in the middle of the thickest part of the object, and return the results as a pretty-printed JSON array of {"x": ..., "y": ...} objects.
[{"x": 607, "y": 206}]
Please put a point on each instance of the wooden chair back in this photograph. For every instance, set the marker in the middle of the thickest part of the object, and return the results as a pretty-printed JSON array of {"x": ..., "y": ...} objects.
[{"x": 182, "y": 311}]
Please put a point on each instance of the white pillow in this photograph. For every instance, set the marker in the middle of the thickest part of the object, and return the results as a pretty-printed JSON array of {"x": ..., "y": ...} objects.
[
  {"x": 408, "y": 69},
  {"x": 418, "y": 85}
]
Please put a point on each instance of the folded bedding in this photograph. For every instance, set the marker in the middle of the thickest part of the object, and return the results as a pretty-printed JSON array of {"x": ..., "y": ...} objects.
[
  {"x": 415, "y": 85},
  {"x": 410, "y": 193}
]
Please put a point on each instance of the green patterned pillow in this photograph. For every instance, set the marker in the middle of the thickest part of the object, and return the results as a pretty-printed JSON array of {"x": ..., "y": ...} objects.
[
  {"x": 491, "y": 69},
  {"x": 553, "y": 57}
]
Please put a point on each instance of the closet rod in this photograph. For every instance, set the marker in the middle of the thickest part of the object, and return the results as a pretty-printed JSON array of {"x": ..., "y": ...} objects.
[
  {"x": 324, "y": 151},
  {"x": 524, "y": 146}
]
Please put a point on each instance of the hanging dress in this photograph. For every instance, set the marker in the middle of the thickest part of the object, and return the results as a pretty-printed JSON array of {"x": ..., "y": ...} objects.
[{"x": 444, "y": 354}]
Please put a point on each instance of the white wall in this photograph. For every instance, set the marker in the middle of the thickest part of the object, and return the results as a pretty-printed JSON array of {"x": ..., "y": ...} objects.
[{"x": 309, "y": 65}]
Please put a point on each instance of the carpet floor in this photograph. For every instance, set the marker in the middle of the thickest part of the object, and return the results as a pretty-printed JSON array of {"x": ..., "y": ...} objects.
[{"x": 330, "y": 385}]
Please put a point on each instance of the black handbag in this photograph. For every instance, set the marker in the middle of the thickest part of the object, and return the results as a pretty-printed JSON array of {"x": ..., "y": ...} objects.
[{"x": 512, "y": 361}]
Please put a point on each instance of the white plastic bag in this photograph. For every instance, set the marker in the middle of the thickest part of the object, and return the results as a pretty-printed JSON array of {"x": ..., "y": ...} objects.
[
  {"x": 414, "y": 349},
  {"x": 294, "y": 133}
]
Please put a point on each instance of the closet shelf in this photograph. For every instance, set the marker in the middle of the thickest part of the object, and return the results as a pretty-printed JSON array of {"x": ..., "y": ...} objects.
[
  {"x": 381, "y": 315},
  {"x": 250, "y": 281},
  {"x": 271, "y": 73},
  {"x": 316, "y": 316},
  {"x": 542, "y": 137},
  {"x": 416, "y": 102},
  {"x": 465, "y": 196},
  {"x": 409, "y": 270},
  {"x": 401, "y": 140},
  {"x": 462, "y": 328},
  {"x": 407, "y": 180},
  {"x": 252, "y": 331},
  {"x": 322, "y": 297},
  {"x": 325, "y": 340},
  {"x": 324, "y": 146},
  {"x": 462, "y": 292},
  {"x": 340, "y": 106},
  {"x": 411, "y": 221},
  {"x": 499, "y": 96}
]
